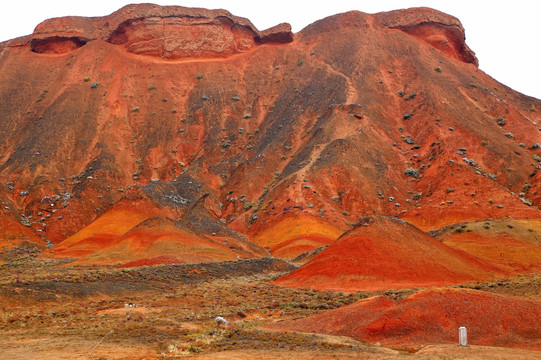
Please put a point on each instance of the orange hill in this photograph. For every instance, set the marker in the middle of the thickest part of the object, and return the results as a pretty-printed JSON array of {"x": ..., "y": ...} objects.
[
  {"x": 117, "y": 220},
  {"x": 431, "y": 317},
  {"x": 513, "y": 246},
  {"x": 157, "y": 241},
  {"x": 384, "y": 253},
  {"x": 291, "y": 235}
]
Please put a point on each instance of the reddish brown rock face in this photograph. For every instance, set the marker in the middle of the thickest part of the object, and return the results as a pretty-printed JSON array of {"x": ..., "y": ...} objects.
[
  {"x": 170, "y": 32},
  {"x": 180, "y": 38},
  {"x": 442, "y": 31},
  {"x": 56, "y": 45}
]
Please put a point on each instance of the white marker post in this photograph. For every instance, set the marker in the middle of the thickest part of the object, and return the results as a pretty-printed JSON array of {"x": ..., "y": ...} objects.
[{"x": 463, "y": 336}]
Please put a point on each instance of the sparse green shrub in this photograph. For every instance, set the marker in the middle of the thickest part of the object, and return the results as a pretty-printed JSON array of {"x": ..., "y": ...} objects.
[
  {"x": 410, "y": 96},
  {"x": 407, "y": 116},
  {"x": 86, "y": 79},
  {"x": 409, "y": 140},
  {"x": 437, "y": 69},
  {"x": 199, "y": 77},
  {"x": 193, "y": 349},
  {"x": 411, "y": 172},
  {"x": 152, "y": 87}
]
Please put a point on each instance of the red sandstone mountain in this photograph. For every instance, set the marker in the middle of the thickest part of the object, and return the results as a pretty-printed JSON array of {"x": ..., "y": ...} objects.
[{"x": 285, "y": 139}]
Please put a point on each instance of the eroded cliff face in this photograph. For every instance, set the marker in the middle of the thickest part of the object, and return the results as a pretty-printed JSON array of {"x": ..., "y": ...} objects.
[
  {"x": 281, "y": 139},
  {"x": 167, "y": 32},
  {"x": 440, "y": 30}
]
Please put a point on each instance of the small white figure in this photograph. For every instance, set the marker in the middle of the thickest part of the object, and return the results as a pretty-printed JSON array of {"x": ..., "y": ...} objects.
[{"x": 221, "y": 321}]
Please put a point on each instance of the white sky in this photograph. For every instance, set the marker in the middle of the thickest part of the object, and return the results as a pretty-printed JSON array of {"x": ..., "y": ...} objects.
[{"x": 505, "y": 35}]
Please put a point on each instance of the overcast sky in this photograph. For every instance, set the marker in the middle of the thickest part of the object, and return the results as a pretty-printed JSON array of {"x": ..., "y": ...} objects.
[{"x": 505, "y": 35}]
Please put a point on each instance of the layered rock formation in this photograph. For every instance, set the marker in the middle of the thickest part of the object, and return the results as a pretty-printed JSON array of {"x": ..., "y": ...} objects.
[{"x": 169, "y": 32}]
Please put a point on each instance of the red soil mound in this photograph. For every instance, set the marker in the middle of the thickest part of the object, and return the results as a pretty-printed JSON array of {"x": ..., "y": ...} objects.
[
  {"x": 513, "y": 246},
  {"x": 119, "y": 219},
  {"x": 162, "y": 259},
  {"x": 156, "y": 241},
  {"x": 433, "y": 316},
  {"x": 382, "y": 253}
]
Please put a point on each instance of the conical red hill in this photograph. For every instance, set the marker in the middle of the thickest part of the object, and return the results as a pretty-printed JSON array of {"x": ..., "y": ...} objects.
[
  {"x": 117, "y": 220},
  {"x": 433, "y": 316},
  {"x": 383, "y": 253}
]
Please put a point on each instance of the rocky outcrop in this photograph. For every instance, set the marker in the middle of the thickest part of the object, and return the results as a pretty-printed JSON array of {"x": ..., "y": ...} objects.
[
  {"x": 444, "y": 32},
  {"x": 176, "y": 32},
  {"x": 170, "y": 32},
  {"x": 280, "y": 33}
]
